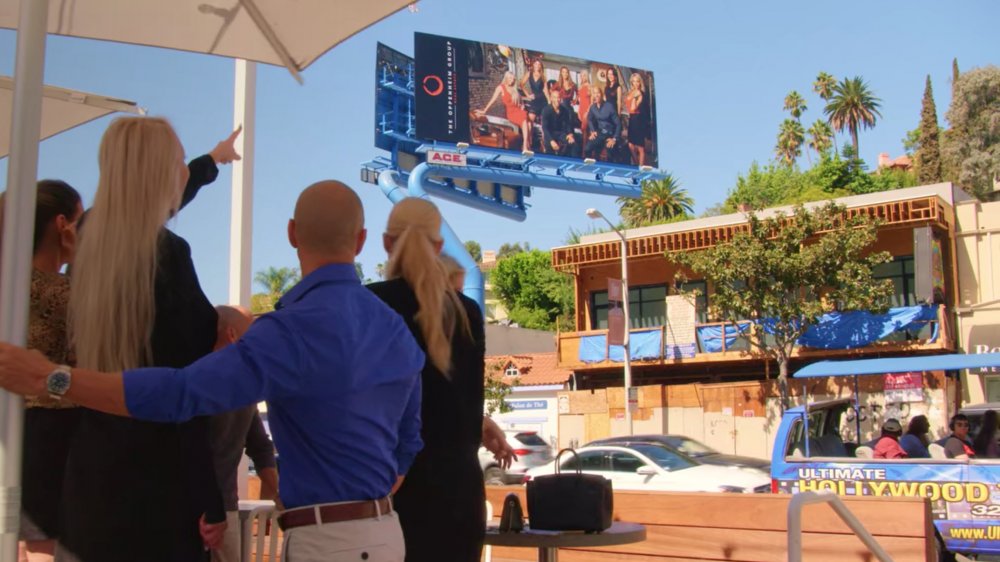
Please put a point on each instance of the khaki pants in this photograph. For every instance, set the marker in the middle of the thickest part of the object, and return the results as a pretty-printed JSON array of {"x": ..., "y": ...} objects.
[
  {"x": 363, "y": 540},
  {"x": 230, "y": 549}
]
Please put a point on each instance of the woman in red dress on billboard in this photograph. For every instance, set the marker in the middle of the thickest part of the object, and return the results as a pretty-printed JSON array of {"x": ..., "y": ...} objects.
[
  {"x": 509, "y": 95},
  {"x": 566, "y": 88},
  {"x": 638, "y": 119}
]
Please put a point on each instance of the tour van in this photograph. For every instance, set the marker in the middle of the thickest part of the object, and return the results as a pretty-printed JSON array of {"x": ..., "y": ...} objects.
[{"x": 810, "y": 455}]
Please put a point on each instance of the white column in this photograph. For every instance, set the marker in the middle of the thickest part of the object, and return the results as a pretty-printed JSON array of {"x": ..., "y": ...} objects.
[
  {"x": 241, "y": 215},
  {"x": 15, "y": 267},
  {"x": 626, "y": 343}
]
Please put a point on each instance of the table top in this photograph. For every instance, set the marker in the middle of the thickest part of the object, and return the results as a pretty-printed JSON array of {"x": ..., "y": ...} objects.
[{"x": 620, "y": 532}]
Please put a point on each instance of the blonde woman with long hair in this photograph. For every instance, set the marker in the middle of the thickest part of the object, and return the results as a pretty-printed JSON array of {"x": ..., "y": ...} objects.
[
  {"x": 440, "y": 503},
  {"x": 140, "y": 490}
]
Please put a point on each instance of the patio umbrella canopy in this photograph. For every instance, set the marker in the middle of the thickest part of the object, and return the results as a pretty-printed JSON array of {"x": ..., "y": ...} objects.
[
  {"x": 62, "y": 110},
  {"x": 286, "y": 33}
]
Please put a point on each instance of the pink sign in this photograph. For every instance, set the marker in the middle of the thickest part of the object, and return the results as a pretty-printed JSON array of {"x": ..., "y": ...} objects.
[{"x": 903, "y": 381}]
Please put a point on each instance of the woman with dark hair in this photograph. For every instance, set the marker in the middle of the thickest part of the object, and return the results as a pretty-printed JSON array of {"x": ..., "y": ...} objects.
[
  {"x": 440, "y": 502},
  {"x": 613, "y": 90},
  {"x": 48, "y": 424},
  {"x": 985, "y": 443},
  {"x": 638, "y": 119},
  {"x": 533, "y": 84},
  {"x": 916, "y": 439}
]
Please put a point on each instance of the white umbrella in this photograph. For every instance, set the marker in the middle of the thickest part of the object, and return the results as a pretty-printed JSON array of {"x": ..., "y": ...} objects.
[
  {"x": 290, "y": 33},
  {"x": 62, "y": 110}
]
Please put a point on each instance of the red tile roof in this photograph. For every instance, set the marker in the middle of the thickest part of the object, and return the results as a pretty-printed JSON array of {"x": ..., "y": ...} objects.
[{"x": 536, "y": 369}]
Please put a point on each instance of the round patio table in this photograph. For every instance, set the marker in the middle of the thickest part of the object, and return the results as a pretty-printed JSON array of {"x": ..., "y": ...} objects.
[{"x": 548, "y": 543}]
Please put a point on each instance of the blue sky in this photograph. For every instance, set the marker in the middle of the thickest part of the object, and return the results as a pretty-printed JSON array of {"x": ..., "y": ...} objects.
[{"x": 722, "y": 70}]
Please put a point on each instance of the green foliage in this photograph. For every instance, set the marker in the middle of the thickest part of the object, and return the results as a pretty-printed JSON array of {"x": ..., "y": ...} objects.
[
  {"x": 662, "y": 201},
  {"x": 928, "y": 160},
  {"x": 359, "y": 270},
  {"x": 534, "y": 294},
  {"x": 507, "y": 249},
  {"x": 911, "y": 142},
  {"x": 852, "y": 106},
  {"x": 475, "y": 250},
  {"x": 971, "y": 149},
  {"x": 820, "y": 137},
  {"x": 791, "y": 135},
  {"x": 261, "y": 303},
  {"x": 824, "y": 84},
  {"x": 791, "y": 272},
  {"x": 795, "y": 104},
  {"x": 276, "y": 281},
  {"x": 763, "y": 187},
  {"x": 496, "y": 390},
  {"x": 573, "y": 236}
]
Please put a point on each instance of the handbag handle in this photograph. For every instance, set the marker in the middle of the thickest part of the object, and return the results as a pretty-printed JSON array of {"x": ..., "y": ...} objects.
[{"x": 578, "y": 463}]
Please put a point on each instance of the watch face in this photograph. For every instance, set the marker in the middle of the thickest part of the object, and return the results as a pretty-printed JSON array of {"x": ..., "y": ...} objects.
[{"x": 58, "y": 382}]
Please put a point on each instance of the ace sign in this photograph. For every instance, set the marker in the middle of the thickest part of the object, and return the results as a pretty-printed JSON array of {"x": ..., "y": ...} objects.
[{"x": 441, "y": 157}]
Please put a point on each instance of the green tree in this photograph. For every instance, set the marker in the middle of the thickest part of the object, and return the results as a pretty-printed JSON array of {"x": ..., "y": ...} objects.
[
  {"x": 534, "y": 294},
  {"x": 820, "y": 137},
  {"x": 276, "y": 281},
  {"x": 763, "y": 187},
  {"x": 928, "y": 158},
  {"x": 661, "y": 201},
  {"x": 795, "y": 104},
  {"x": 972, "y": 146},
  {"x": 496, "y": 390},
  {"x": 475, "y": 250},
  {"x": 791, "y": 135},
  {"x": 784, "y": 273},
  {"x": 360, "y": 271},
  {"x": 955, "y": 74},
  {"x": 824, "y": 85},
  {"x": 911, "y": 142},
  {"x": 507, "y": 249},
  {"x": 851, "y": 107}
]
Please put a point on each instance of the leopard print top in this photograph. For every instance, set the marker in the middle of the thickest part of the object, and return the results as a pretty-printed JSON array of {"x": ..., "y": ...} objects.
[{"x": 47, "y": 327}]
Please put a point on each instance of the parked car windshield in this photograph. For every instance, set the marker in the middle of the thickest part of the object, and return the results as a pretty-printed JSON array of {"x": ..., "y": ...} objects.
[
  {"x": 691, "y": 447},
  {"x": 531, "y": 439},
  {"x": 663, "y": 456}
]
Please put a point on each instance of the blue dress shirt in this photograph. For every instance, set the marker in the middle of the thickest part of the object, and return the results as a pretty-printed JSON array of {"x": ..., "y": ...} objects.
[{"x": 340, "y": 372}]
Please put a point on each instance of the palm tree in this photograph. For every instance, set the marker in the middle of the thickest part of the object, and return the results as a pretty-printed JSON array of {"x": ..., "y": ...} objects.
[
  {"x": 795, "y": 104},
  {"x": 277, "y": 280},
  {"x": 851, "y": 106},
  {"x": 661, "y": 201},
  {"x": 790, "y": 138},
  {"x": 824, "y": 85},
  {"x": 820, "y": 136}
]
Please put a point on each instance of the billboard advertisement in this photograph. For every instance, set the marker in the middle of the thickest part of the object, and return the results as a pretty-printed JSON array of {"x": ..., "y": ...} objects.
[
  {"x": 510, "y": 98},
  {"x": 393, "y": 120}
]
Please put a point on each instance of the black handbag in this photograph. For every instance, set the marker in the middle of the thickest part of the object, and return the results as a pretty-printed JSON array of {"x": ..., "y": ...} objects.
[{"x": 570, "y": 501}]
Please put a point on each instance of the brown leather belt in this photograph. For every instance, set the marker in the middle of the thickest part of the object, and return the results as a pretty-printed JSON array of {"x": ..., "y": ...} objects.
[{"x": 334, "y": 513}]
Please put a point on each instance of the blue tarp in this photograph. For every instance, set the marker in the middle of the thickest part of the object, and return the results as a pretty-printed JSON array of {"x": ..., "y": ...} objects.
[
  {"x": 849, "y": 330},
  {"x": 710, "y": 337},
  {"x": 951, "y": 362},
  {"x": 646, "y": 344}
]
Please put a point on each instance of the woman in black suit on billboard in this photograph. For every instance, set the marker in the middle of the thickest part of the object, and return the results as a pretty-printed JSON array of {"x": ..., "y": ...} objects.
[
  {"x": 536, "y": 94},
  {"x": 441, "y": 501}
]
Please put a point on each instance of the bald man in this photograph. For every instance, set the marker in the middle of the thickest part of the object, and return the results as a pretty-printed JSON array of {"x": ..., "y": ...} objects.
[{"x": 339, "y": 370}]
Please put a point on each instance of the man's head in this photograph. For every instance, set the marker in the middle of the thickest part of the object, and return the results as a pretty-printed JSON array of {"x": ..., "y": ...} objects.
[
  {"x": 328, "y": 226},
  {"x": 597, "y": 93},
  {"x": 892, "y": 428},
  {"x": 959, "y": 426},
  {"x": 553, "y": 88},
  {"x": 234, "y": 321}
]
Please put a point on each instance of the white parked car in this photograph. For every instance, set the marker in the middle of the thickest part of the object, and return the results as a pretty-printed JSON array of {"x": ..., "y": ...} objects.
[{"x": 648, "y": 466}]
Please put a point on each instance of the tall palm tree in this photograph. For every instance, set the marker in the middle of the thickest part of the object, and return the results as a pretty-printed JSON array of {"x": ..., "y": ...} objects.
[
  {"x": 820, "y": 136},
  {"x": 277, "y": 280},
  {"x": 795, "y": 104},
  {"x": 851, "y": 106},
  {"x": 661, "y": 201},
  {"x": 790, "y": 138},
  {"x": 824, "y": 85}
]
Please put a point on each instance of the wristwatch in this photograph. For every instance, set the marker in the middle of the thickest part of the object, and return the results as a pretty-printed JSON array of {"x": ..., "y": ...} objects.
[{"x": 58, "y": 381}]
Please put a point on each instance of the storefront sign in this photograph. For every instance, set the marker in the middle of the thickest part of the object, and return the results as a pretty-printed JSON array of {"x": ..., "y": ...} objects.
[
  {"x": 903, "y": 387},
  {"x": 527, "y": 404}
]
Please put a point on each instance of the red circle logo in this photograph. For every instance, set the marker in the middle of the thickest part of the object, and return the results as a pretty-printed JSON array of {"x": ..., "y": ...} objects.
[{"x": 433, "y": 85}]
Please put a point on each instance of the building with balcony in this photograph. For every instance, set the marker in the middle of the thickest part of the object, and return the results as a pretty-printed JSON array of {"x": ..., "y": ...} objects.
[{"x": 676, "y": 341}]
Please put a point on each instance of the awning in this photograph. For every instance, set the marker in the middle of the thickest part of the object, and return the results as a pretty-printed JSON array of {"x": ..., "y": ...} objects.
[{"x": 952, "y": 362}]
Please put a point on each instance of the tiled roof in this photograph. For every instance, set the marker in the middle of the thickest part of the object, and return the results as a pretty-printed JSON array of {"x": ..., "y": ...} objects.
[{"x": 536, "y": 369}]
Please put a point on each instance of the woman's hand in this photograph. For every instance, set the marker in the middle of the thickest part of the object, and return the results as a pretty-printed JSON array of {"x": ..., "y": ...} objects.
[
  {"x": 23, "y": 371},
  {"x": 225, "y": 151},
  {"x": 212, "y": 534},
  {"x": 495, "y": 441}
]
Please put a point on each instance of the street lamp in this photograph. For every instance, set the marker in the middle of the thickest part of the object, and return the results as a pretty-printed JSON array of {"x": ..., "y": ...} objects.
[{"x": 595, "y": 214}]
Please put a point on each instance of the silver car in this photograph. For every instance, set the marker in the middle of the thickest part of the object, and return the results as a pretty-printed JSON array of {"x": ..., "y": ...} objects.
[{"x": 531, "y": 451}]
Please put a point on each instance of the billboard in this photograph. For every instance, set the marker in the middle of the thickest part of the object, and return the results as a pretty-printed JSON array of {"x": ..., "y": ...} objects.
[
  {"x": 393, "y": 120},
  {"x": 516, "y": 99}
]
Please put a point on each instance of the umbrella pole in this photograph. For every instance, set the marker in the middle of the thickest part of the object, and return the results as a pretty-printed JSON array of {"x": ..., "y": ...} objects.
[
  {"x": 15, "y": 265},
  {"x": 241, "y": 212}
]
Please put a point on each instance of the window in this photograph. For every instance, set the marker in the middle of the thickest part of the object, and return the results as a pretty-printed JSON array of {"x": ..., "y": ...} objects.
[
  {"x": 900, "y": 271},
  {"x": 664, "y": 457},
  {"x": 700, "y": 288},
  {"x": 589, "y": 460},
  {"x": 511, "y": 371},
  {"x": 625, "y": 462},
  {"x": 647, "y": 307}
]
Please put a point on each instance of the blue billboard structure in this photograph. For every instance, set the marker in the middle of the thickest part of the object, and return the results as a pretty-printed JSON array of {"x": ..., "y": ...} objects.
[{"x": 492, "y": 180}]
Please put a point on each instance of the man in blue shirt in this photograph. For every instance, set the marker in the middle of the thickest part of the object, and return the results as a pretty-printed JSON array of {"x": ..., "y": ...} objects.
[
  {"x": 339, "y": 370},
  {"x": 605, "y": 128}
]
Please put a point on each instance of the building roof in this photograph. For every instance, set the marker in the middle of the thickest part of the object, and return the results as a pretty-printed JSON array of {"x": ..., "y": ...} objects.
[
  {"x": 507, "y": 340},
  {"x": 536, "y": 369},
  {"x": 945, "y": 191}
]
